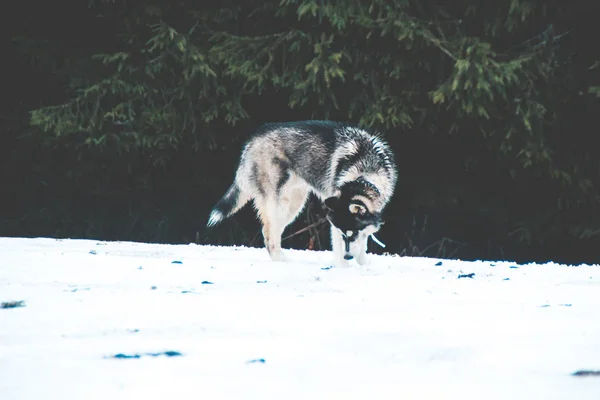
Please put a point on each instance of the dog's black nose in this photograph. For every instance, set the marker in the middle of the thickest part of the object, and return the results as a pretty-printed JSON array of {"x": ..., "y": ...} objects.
[{"x": 348, "y": 257}]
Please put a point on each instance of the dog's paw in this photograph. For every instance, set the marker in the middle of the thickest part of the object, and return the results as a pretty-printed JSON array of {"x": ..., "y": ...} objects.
[
  {"x": 278, "y": 256},
  {"x": 363, "y": 259}
]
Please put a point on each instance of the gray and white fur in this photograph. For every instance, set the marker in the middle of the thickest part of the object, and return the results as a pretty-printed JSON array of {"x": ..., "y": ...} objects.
[{"x": 352, "y": 171}]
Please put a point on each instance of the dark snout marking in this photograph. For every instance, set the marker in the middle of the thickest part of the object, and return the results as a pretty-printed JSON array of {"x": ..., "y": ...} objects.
[{"x": 347, "y": 241}]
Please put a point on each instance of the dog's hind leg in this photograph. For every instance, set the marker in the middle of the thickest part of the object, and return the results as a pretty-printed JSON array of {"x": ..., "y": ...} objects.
[
  {"x": 277, "y": 212},
  {"x": 292, "y": 199},
  {"x": 267, "y": 210}
]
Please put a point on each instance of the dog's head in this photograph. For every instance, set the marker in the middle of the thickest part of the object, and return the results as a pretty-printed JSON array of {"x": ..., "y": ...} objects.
[{"x": 349, "y": 213}]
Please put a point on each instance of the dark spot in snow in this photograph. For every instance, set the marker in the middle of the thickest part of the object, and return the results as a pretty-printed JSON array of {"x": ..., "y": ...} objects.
[
  {"x": 437, "y": 264},
  {"x": 471, "y": 275},
  {"x": 256, "y": 361},
  {"x": 513, "y": 267},
  {"x": 544, "y": 305},
  {"x": 169, "y": 353},
  {"x": 207, "y": 283},
  {"x": 92, "y": 251},
  {"x": 326, "y": 268},
  {"x": 507, "y": 279},
  {"x": 120, "y": 355},
  {"x": 12, "y": 304},
  {"x": 189, "y": 291},
  {"x": 565, "y": 305},
  {"x": 133, "y": 330},
  {"x": 492, "y": 265},
  {"x": 140, "y": 267},
  {"x": 176, "y": 262},
  {"x": 261, "y": 281},
  {"x": 153, "y": 288},
  {"x": 586, "y": 372}
]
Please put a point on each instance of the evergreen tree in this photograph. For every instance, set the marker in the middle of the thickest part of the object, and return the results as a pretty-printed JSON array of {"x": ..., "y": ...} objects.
[{"x": 496, "y": 89}]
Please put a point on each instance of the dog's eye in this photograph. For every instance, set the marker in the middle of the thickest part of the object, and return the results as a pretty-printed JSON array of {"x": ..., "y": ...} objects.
[{"x": 357, "y": 209}]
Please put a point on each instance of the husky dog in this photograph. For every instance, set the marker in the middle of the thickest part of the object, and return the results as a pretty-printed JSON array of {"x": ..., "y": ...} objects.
[{"x": 352, "y": 171}]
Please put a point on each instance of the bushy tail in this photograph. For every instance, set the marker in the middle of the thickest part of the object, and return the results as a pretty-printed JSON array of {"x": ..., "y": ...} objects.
[{"x": 229, "y": 204}]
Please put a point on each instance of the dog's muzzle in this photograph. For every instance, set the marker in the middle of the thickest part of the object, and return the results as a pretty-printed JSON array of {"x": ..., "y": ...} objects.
[{"x": 350, "y": 237}]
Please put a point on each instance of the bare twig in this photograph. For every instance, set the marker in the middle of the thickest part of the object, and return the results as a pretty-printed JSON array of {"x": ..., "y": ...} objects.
[{"x": 306, "y": 228}]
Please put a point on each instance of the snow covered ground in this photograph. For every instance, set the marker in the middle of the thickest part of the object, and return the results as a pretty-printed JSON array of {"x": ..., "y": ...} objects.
[{"x": 121, "y": 320}]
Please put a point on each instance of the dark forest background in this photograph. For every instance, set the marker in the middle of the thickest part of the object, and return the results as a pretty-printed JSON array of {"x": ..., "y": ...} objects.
[{"x": 123, "y": 120}]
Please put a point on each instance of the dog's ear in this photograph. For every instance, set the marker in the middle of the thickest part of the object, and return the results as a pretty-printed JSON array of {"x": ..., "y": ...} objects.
[
  {"x": 356, "y": 208},
  {"x": 332, "y": 203}
]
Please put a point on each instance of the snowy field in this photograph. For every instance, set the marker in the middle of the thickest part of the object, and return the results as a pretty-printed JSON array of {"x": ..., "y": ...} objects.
[{"x": 121, "y": 320}]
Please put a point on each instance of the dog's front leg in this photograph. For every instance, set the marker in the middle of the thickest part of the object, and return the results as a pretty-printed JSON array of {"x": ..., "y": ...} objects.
[
  {"x": 361, "y": 251},
  {"x": 337, "y": 246}
]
